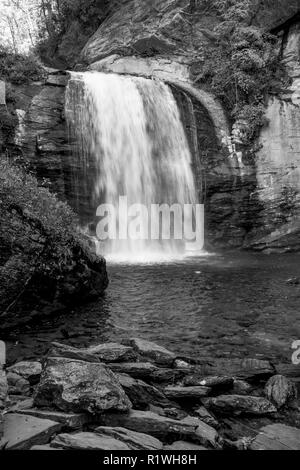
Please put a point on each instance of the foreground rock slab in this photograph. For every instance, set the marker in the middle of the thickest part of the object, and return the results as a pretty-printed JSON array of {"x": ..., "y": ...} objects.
[
  {"x": 135, "y": 440},
  {"x": 153, "y": 351},
  {"x": 182, "y": 445},
  {"x": 280, "y": 391},
  {"x": 149, "y": 423},
  {"x": 68, "y": 420},
  {"x": 277, "y": 437},
  {"x": 79, "y": 386},
  {"x": 21, "y": 432},
  {"x": 87, "y": 441},
  {"x": 240, "y": 404},
  {"x": 30, "y": 371}
]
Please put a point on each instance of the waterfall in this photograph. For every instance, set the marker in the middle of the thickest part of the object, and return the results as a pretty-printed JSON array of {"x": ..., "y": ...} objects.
[{"x": 130, "y": 142}]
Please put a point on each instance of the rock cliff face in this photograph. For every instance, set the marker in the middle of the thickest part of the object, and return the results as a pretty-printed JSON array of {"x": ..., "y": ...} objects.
[
  {"x": 31, "y": 281},
  {"x": 251, "y": 201}
]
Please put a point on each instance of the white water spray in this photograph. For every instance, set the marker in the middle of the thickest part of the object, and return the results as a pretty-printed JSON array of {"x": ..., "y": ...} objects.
[{"x": 130, "y": 129}]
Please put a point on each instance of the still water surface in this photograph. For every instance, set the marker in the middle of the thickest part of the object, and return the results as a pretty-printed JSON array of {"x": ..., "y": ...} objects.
[{"x": 208, "y": 307}]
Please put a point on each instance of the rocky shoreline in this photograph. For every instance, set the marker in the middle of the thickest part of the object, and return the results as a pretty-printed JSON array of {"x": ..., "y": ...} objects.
[{"x": 140, "y": 396}]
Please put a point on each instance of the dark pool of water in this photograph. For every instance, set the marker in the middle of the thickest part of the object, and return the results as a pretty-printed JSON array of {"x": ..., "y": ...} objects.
[{"x": 217, "y": 306}]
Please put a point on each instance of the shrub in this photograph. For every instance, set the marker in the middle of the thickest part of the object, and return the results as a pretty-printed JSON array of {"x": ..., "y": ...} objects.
[
  {"x": 242, "y": 64},
  {"x": 19, "y": 69},
  {"x": 55, "y": 219}
]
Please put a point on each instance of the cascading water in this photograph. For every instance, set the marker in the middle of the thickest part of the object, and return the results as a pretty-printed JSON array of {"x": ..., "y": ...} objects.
[{"x": 130, "y": 142}]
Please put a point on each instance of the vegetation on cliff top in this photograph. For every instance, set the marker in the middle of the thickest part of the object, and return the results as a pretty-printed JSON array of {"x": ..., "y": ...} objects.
[{"x": 242, "y": 65}]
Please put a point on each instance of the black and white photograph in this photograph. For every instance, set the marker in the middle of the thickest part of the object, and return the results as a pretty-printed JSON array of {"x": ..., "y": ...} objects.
[{"x": 149, "y": 231}]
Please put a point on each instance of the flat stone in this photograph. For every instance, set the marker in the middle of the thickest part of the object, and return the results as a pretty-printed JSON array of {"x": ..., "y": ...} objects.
[
  {"x": 45, "y": 447},
  {"x": 240, "y": 404},
  {"x": 176, "y": 393},
  {"x": 113, "y": 352},
  {"x": 206, "y": 417},
  {"x": 135, "y": 440},
  {"x": 63, "y": 350},
  {"x": 142, "y": 394},
  {"x": 153, "y": 351},
  {"x": 204, "y": 434},
  {"x": 138, "y": 370},
  {"x": 17, "y": 385},
  {"x": 216, "y": 382},
  {"x": 57, "y": 79},
  {"x": 167, "y": 376},
  {"x": 68, "y": 420},
  {"x": 149, "y": 423},
  {"x": 17, "y": 403},
  {"x": 182, "y": 445},
  {"x": 87, "y": 441},
  {"x": 30, "y": 371},
  {"x": 280, "y": 391},
  {"x": 2, "y": 93},
  {"x": 3, "y": 398},
  {"x": 79, "y": 386},
  {"x": 21, "y": 432},
  {"x": 245, "y": 369},
  {"x": 241, "y": 387},
  {"x": 277, "y": 437}
]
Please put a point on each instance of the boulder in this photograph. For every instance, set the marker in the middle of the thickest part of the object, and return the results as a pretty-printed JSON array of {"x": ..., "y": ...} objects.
[
  {"x": 142, "y": 394},
  {"x": 153, "y": 351},
  {"x": 182, "y": 445},
  {"x": 108, "y": 352},
  {"x": 177, "y": 393},
  {"x": 87, "y": 441},
  {"x": 17, "y": 385},
  {"x": 68, "y": 420},
  {"x": 21, "y": 432},
  {"x": 113, "y": 352},
  {"x": 240, "y": 404},
  {"x": 138, "y": 370},
  {"x": 149, "y": 423},
  {"x": 30, "y": 371},
  {"x": 79, "y": 386},
  {"x": 277, "y": 437},
  {"x": 280, "y": 391},
  {"x": 135, "y": 440}
]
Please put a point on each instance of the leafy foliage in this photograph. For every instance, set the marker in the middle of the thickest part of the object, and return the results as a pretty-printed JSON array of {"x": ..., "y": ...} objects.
[
  {"x": 19, "y": 189},
  {"x": 243, "y": 64},
  {"x": 19, "y": 68}
]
